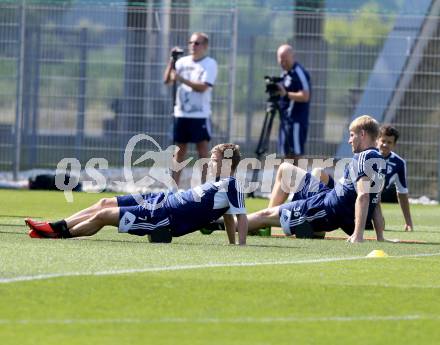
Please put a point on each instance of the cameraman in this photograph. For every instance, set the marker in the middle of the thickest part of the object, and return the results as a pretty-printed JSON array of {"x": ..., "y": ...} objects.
[
  {"x": 294, "y": 92},
  {"x": 195, "y": 74}
]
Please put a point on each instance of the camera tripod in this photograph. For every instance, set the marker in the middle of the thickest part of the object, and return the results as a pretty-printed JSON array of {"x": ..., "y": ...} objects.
[
  {"x": 174, "y": 88},
  {"x": 263, "y": 142},
  {"x": 176, "y": 54}
]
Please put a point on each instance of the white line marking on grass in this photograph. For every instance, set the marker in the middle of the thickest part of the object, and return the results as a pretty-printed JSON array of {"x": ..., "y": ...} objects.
[
  {"x": 388, "y": 285},
  {"x": 245, "y": 320},
  {"x": 198, "y": 266}
]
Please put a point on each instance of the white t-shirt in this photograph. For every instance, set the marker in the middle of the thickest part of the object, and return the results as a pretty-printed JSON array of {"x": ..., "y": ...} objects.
[{"x": 189, "y": 103}]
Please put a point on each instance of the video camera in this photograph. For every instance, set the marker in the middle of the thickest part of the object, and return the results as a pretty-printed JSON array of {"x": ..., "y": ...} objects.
[
  {"x": 272, "y": 84},
  {"x": 176, "y": 53}
]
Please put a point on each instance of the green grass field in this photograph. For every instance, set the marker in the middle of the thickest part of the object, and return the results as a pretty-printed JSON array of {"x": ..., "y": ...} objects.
[{"x": 120, "y": 289}]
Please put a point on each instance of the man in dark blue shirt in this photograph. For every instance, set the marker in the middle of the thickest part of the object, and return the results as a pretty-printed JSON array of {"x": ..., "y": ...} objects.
[
  {"x": 176, "y": 213},
  {"x": 295, "y": 90},
  {"x": 348, "y": 206}
]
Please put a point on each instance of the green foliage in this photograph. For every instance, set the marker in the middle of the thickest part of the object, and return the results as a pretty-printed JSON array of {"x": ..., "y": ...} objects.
[
  {"x": 106, "y": 72},
  {"x": 367, "y": 28}
]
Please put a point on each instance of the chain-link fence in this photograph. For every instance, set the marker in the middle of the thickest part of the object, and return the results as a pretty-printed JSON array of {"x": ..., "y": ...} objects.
[
  {"x": 80, "y": 80},
  {"x": 360, "y": 63}
]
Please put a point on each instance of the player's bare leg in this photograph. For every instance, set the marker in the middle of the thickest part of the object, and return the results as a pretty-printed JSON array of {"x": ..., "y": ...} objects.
[
  {"x": 89, "y": 227},
  {"x": 179, "y": 156},
  {"x": 278, "y": 195},
  {"x": 60, "y": 228},
  {"x": 287, "y": 181},
  {"x": 203, "y": 152},
  {"x": 321, "y": 175},
  {"x": 90, "y": 211},
  {"x": 263, "y": 218}
]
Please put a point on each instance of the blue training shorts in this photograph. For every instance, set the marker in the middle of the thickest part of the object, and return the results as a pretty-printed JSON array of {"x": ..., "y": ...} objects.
[
  {"x": 311, "y": 210},
  {"x": 140, "y": 214},
  {"x": 187, "y": 130}
]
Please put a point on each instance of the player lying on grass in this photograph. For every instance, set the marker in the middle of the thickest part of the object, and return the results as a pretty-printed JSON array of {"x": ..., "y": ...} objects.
[
  {"x": 315, "y": 207},
  {"x": 176, "y": 213},
  {"x": 395, "y": 175}
]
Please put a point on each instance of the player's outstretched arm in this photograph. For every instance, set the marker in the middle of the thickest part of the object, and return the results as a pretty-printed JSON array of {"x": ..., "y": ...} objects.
[
  {"x": 229, "y": 227},
  {"x": 378, "y": 223},
  {"x": 360, "y": 210},
  {"x": 242, "y": 228},
  {"x": 404, "y": 205}
]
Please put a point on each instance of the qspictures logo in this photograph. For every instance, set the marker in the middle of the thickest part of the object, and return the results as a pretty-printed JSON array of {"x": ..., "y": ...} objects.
[{"x": 163, "y": 164}]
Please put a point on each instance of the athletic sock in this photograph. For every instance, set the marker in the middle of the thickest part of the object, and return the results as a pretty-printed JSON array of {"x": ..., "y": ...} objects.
[
  {"x": 65, "y": 233},
  {"x": 60, "y": 227}
]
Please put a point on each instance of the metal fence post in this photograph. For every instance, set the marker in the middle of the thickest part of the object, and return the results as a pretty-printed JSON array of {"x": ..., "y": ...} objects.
[
  {"x": 438, "y": 169},
  {"x": 250, "y": 93},
  {"x": 79, "y": 138},
  {"x": 19, "y": 94},
  {"x": 232, "y": 71},
  {"x": 33, "y": 157}
]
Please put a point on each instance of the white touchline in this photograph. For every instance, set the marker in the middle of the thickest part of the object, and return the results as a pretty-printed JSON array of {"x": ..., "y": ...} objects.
[
  {"x": 197, "y": 266},
  {"x": 387, "y": 285},
  {"x": 214, "y": 320}
]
